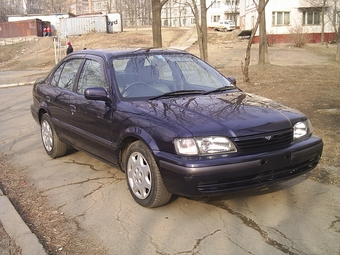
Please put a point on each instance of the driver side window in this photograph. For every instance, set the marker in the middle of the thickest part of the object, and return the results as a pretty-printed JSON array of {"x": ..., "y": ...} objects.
[{"x": 92, "y": 75}]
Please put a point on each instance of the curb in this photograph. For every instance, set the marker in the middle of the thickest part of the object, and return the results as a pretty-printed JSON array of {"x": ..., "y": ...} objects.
[
  {"x": 17, "y": 229},
  {"x": 16, "y": 84}
]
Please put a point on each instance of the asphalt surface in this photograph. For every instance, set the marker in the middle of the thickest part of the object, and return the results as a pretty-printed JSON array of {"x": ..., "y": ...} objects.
[
  {"x": 300, "y": 216},
  {"x": 14, "y": 225}
]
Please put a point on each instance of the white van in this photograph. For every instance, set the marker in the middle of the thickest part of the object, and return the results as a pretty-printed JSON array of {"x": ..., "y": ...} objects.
[{"x": 223, "y": 25}]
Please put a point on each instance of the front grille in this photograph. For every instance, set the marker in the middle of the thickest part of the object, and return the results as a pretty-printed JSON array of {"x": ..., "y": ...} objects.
[{"x": 265, "y": 141}]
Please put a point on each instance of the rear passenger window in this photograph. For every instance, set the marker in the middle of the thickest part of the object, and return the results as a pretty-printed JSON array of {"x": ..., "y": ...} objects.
[
  {"x": 56, "y": 75},
  {"x": 68, "y": 74}
]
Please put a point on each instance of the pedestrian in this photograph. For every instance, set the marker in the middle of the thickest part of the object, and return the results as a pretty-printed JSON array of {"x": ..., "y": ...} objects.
[
  {"x": 48, "y": 30},
  {"x": 69, "y": 48},
  {"x": 44, "y": 31}
]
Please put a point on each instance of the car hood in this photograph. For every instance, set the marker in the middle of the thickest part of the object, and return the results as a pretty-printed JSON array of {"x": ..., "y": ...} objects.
[{"x": 229, "y": 114}]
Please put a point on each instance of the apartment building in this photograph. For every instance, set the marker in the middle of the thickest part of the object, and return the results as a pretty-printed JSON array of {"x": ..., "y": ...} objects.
[
  {"x": 285, "y": 18},
  {"x": 178, "y": 13},
  {"x": 223, "y": 10}
]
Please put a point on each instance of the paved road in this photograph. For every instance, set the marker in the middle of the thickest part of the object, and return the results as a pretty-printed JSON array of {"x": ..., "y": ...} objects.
[{"x": 297, "y": 217}]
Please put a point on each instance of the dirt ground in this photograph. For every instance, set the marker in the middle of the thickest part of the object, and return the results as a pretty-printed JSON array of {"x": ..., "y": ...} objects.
[{"x": 306, "y": 78}]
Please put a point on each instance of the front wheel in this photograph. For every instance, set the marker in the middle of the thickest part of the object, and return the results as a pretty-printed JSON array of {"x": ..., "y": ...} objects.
[
  {"x": 52, "y": 144},
  {"x": 143, "y": 178}
]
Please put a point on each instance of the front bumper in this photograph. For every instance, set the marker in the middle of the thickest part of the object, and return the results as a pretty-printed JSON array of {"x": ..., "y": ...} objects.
[{"x": 196, "y": 178}]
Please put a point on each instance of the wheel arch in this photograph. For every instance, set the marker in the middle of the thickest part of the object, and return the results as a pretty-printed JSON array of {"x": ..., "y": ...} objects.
[
  {"x": 41, "y": 113},
  {"x": 131, "y": 135},
  {"x": 42, "y": 110}
]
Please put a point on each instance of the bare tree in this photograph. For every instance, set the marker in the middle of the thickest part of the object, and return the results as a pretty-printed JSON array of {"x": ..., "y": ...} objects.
[
  {"x": 245, "y": 68},
  {"x": 8, "y": 8},
  {"x": 201, "y": 26},
  {"x": 321, "y": 3},
  {"x": 323, "y": 21},
  {"x": 335, "y": 17},
  {"x": 337, "y": 55},
  {"x": 199, "y": 30},
  {"x": 156, "y": 22},
  {"x": 113, "y": 5},
  {"x": 204, "y": 30},
  {"x": 233, "y": 8},
  {"x": 332, "y": 17}
]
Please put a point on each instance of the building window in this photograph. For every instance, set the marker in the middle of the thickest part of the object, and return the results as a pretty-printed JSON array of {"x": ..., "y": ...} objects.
[
  {"x": 217, "y": 4},
  {"x": 231, "y": 2},
  {"x": 215, "y": 18},
  {"x": 280, "y": 18},
  {"x": 98, "y": 6},
  {"x": 311, "y": 18}
]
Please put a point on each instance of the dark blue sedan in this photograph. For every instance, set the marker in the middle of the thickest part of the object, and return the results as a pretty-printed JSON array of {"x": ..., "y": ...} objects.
[{"x": 172, "y": 123}]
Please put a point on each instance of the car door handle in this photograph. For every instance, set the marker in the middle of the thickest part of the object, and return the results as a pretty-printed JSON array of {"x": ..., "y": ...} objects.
[{"x": 73, "y": 108}]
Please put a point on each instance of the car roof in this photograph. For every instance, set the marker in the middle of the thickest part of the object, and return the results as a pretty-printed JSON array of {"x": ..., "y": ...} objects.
[{"x": 109, "y": 53}]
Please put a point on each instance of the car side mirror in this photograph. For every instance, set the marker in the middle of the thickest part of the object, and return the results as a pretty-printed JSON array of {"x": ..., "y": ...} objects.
[
  {"x": 97, "y": 93},
  {"x": 232, "y": 80}
]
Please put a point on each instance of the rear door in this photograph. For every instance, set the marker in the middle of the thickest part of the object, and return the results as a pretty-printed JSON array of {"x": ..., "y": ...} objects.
[{"x": 61, "y": 86}]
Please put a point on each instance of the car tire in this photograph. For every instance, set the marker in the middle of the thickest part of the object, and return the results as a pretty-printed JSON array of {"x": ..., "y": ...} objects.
[
  {"x": 143, "y": 177},
  {"x": 51, "y": 142}
]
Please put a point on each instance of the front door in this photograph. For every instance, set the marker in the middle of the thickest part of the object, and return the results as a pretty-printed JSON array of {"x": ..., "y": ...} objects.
[{"x": 91, "y": 119}]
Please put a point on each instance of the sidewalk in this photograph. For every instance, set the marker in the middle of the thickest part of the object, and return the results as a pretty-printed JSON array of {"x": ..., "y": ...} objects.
[{"x": 19, "y": 78}]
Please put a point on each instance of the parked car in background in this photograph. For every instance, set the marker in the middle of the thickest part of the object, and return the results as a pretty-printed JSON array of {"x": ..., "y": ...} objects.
[
  {"x": 223, "y": 25},
  {"x": 172, "y": 123}
]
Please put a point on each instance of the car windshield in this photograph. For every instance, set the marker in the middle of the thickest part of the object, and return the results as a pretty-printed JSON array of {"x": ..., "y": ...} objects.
[{"x": 150, "y": 76}]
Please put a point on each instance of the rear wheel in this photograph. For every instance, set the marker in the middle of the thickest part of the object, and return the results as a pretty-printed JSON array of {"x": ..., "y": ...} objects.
[
  {"x": 52, "y": 144},
  {"x": 143, "y": 178}
]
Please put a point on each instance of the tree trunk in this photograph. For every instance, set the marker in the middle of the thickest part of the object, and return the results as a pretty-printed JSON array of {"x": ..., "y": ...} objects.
[
  {"x": 136, "y": 18},
  {"x": 337, "y": 56},
  {"x": 198, "y": 28},
  {"x": 201, "y": 28},
  {"x": 323, "y": 22},
  {"x": 204, "y": 30},
  {"x": 263, "y": 44},
  {"x": 245, "y": 68},
  {"x": 157, "y": 22}
]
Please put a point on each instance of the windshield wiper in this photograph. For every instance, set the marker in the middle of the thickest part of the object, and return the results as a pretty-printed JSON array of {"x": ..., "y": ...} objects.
[
  {"x": 178, "y": 93},
  {"x": 220, "y": 89}
]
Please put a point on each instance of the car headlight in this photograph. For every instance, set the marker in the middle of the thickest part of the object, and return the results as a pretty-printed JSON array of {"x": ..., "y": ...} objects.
[
  {"x": 204, "y": 145},
  {"x": 302, "y": 128}
]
